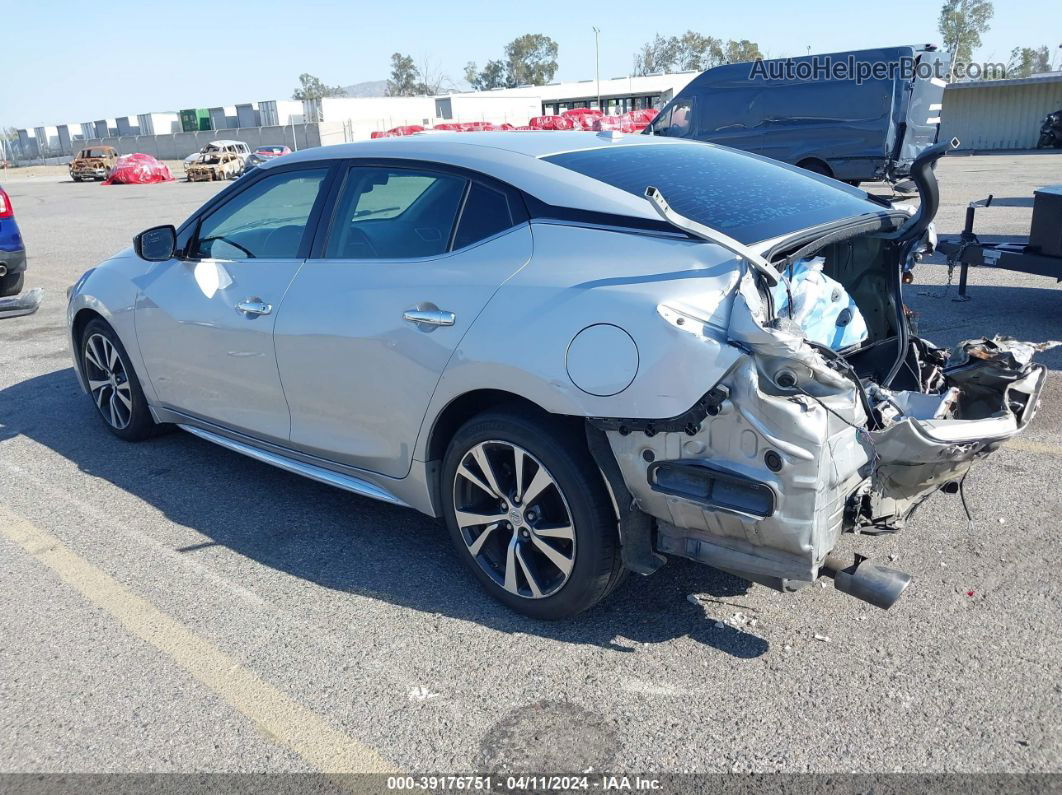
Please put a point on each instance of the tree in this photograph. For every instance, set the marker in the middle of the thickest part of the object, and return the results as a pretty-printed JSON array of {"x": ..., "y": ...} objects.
[
  {"x": 743, "y": 51},
  {"x": 312, "y": 88},
  {"x": 410, "y": 80},
  {"x": 658, "y": 55},
  {"x": 404, "y": 76},
  {"x": 492, "y": 76},
  {"x": 695, "y": 52},
  {"x": 691, "y": 51},
  {"x": 961, "y": 24},
  {"x": 530, "y": 59},
  {"x": 1025, "y": 61}
]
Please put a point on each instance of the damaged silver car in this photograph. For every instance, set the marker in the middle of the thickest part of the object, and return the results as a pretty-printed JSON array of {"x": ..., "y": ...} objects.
[{"x": 585, "y": 353}]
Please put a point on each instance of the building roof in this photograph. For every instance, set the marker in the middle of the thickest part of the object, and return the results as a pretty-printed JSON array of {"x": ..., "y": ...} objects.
[{"x": 1033, "y": 80}]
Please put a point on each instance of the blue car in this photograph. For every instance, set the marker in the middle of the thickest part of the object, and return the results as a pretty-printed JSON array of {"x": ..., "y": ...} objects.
[{"x": 12, "y": 250}]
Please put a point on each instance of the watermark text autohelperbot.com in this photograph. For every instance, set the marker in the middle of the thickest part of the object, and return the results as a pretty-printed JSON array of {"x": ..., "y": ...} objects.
[{"x": 828, "y": 67}]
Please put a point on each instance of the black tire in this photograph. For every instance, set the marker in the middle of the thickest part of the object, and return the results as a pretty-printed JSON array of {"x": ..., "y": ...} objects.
[
  {"x": 76, "y": 179},
  {"x": 855, "y": 183},
  {"x": 816, "y": 167},
  {"x": 12, "y": 283},
  {"x": 577, "y": 487},
  {"x": 140, "y": 425}
]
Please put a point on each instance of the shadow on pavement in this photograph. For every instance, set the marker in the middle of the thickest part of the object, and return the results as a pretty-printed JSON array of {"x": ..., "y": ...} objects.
[
  {"x": 1033, "y": 314},
  {"x": 342, "y": 541}
]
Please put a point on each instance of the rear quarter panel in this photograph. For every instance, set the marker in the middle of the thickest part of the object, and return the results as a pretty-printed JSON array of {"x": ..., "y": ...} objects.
[{"x": 579, "y": 277}]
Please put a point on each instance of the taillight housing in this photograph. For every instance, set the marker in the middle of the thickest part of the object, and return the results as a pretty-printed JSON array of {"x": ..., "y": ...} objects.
[{"x": 6, "y": 210}]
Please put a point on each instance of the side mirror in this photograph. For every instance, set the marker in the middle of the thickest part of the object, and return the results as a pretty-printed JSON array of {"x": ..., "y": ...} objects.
[{"x": 157, "y": 244}]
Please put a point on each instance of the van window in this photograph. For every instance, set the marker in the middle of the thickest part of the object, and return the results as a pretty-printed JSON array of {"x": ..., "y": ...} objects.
[
  {"x": 677, "y": 121},
  {"x": 747, "y": 197}
]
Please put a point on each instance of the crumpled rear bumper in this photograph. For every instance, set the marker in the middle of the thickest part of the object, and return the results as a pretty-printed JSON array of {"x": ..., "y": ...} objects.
[{"x": 764, "y": 486}]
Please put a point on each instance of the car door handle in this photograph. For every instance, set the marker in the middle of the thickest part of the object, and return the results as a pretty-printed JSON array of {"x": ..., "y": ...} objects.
[
  {"x": 430, "y": 317},
  {"x": 254, "y": 306}
]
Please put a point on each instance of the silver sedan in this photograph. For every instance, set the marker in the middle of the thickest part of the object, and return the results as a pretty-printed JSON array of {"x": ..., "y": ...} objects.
[{"x": 584, "y": 352}]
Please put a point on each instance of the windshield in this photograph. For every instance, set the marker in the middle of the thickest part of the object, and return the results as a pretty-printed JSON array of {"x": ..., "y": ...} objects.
[{"x": 746, "y": 197}]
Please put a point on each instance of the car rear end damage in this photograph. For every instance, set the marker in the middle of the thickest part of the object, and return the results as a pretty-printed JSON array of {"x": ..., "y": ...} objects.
[{"x": 799, "y": 441}]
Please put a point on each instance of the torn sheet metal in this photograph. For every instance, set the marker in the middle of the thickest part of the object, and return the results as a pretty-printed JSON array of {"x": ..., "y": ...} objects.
[{"x": 990, "y": 394}]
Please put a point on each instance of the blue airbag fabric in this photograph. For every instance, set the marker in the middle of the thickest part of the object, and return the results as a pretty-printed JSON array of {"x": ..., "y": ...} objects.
[{"x": 820, "y": 305}]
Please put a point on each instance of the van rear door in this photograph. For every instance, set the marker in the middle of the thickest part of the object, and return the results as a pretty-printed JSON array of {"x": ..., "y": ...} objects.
[{"x": 920, "y": 116}]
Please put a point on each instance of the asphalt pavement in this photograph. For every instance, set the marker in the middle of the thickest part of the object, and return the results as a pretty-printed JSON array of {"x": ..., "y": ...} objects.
[{"x": 172, "y": 606}]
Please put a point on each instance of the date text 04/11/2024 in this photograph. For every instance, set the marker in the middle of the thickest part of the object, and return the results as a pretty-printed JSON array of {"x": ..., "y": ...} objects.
[{"x": 521, "y": 783}]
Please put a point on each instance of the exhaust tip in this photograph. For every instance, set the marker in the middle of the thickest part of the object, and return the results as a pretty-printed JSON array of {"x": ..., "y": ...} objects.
[
  {"x": 867, "y": 580},
  {"x": 3, "y": 270}
]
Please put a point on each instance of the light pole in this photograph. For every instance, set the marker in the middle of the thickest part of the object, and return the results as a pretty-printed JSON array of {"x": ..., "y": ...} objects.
[{"x": 597, "y": 60}]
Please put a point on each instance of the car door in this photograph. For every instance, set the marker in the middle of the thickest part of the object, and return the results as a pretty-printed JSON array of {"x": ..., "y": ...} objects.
[
  {"x": 205, "y": 321},
  {"x": 411, "y": 257}
]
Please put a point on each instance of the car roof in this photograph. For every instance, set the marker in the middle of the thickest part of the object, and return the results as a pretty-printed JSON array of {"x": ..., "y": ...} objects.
[
  {"x": 514, "y": 157},
  {"x": 518, "y": 158}
]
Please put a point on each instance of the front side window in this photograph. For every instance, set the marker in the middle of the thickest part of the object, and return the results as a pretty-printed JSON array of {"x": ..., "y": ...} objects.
[
  {"x": 265, "y": 221},
  {"x": 394, "y": 213}
]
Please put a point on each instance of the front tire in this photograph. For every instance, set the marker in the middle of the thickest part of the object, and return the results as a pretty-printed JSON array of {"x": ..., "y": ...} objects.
[
  {"x": 113, "y": 385},
  {"x": 528, "y": 513}
]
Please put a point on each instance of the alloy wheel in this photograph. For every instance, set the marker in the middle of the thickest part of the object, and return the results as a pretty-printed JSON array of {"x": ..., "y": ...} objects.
[
  {"x": 108, "y": 381},
  {"x": 514, "y": 519}
]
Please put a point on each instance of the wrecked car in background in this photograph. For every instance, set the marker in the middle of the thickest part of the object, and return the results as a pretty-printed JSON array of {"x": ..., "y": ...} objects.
[
  {"x": 238, "y": 148},
  {"x": 704, "y": 353},
  {"x": 95, "y": 162},
  {"x": 216, "y": 165}
]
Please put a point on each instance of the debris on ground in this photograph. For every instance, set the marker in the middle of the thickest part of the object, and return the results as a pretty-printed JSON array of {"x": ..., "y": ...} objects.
[
  {"x": 823, "y": 638},
  {"x": 421, "y": 694},
  {"x": 700, "y": 598}
]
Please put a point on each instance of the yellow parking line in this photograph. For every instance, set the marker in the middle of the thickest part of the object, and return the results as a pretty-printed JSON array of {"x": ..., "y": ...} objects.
[
  {"x": 1029, "y": 446},
  {"x": 277, "y": 716}
]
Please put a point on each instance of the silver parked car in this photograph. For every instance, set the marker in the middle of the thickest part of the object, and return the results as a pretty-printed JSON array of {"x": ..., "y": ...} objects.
[{"x": 585, "y": 352}]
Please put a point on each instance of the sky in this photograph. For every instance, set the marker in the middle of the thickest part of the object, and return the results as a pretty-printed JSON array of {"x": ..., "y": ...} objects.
[{"x": 172, "y": 55}]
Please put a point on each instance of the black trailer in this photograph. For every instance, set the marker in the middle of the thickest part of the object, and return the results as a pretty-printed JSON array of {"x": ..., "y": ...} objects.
[{"x": 1041, "y": 255}]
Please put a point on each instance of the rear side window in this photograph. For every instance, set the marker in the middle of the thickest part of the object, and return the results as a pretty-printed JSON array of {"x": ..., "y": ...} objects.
[
  {"x": 486, "y": 212},
  {"x": 386, "y": 213},
  {"x": 746, "y": 197},
  {"x": 265, "y": 221}
]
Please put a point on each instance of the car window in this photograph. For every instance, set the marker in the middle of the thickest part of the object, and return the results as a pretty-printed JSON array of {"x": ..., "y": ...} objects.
[
  {"x": 746, "y": 197},
  {"x": 387, "y": 213},
  {"x": 485, "y": 213},
  {"x": 264, "y": 221}
]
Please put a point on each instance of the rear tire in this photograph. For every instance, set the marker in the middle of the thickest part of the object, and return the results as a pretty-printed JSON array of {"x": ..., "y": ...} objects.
[
  {"x": 816, "y": 167},
  {"x": 12, "y": 283},
  {"x": 117, "y": 395},
  {"x": 548, "y": 546}
]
